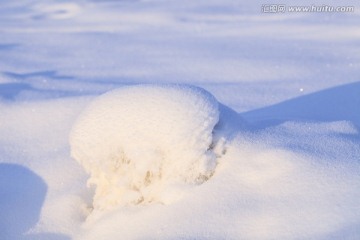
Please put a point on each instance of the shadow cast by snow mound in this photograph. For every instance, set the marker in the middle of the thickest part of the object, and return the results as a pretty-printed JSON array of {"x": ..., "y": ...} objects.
[
  {"x": 339, "y": 103},
  {"x": 9, "y": 91},
  {"x": 49, "y": 74},
  {"x": 35, "y": 85},
  {"x": 22, "y": 195}
]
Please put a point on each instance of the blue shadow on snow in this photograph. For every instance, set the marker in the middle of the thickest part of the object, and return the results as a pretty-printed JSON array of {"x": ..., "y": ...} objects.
[
  {"x": 341, "y": 103},
  {"x": 9, "y": 91},
  {"x": 22, "y": 195},
  {"x": 51, "y": 74},
  {"x": 8, "y": 46}
]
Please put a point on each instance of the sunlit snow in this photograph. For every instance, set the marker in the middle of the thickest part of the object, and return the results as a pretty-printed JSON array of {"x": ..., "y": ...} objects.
[{"x": 175, "y": 119}]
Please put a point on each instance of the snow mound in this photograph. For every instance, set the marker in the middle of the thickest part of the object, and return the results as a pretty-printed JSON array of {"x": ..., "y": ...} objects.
[{"x": 145, "y": 143}]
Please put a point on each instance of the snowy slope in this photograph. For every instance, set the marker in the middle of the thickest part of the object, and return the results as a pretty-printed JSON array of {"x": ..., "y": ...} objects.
[{"x": 291, "y": 172}]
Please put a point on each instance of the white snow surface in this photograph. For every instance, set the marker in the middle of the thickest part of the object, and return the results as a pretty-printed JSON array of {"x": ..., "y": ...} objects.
[
  {"x": 280, "y": 153},
  {"x": 139, "y": 142}
]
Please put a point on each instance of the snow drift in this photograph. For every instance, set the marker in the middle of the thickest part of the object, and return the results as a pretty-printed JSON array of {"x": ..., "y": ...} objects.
[
  {"x": 292, "y": 173},
  {"x": 145, "y": 143}
]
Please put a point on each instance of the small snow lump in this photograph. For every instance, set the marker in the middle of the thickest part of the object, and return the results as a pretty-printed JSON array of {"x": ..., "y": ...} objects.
[{"x": 142, "y": 143}]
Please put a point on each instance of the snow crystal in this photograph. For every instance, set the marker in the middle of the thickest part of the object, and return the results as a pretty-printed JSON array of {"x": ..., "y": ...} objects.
[{"x": 142, "y": 143}]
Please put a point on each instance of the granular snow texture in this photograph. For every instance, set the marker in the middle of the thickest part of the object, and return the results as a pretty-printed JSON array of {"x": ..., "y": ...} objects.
[{"x": 137, "y": 141}]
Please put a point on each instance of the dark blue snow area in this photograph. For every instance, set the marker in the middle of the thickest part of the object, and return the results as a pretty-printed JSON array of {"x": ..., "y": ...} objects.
[{"x": 22, "y": 194}]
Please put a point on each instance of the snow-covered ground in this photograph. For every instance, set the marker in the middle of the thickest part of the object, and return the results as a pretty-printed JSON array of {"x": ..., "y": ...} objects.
[{"x": 287, "y": 143}]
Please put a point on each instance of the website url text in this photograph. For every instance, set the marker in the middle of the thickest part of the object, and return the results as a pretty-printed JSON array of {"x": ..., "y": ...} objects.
[{"x": 282, "y": 8}]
